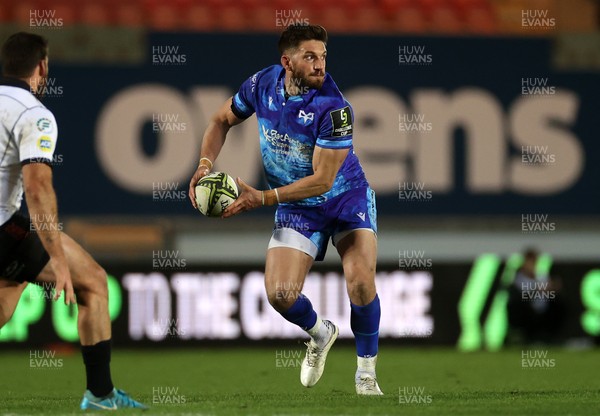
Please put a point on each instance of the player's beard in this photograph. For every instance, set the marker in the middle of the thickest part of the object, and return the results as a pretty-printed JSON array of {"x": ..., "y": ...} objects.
[{"x": 313, "y": 80}]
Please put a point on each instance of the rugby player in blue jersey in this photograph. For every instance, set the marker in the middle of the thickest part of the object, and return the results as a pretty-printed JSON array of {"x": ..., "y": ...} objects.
[{"x": 315, "y": 178}]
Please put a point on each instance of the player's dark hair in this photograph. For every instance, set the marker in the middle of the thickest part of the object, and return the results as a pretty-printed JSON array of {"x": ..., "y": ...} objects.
[
  {"x": 294, "y": 34},
  {"x": 21, "y": 53}
]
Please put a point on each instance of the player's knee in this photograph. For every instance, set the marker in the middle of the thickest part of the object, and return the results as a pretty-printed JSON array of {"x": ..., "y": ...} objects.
[
  {"x": 95, "y": 284},
  {"x": 100, "y": 281},
  {"x": 358, "y": 288},
  {"x": 360, "y": 279},
  {"x": 281, "y": 300},
  {"x": 359, "y": 273}
]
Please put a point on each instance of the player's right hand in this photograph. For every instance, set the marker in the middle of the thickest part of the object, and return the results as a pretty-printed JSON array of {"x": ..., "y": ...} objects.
[
  {"x": 63, "y": 280},
  {"x": 201, "y": 172}
]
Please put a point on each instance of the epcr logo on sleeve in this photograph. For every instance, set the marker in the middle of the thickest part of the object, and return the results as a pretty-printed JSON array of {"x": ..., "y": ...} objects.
[
  {"x": 44, "y": 125},
  {"x": 45, "y": 144}
]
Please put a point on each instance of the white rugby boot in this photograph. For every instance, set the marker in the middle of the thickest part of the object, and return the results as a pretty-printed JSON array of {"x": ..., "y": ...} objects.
[
  {"x": 314, "y": 361},
  {"x": 365, "y": 378}
]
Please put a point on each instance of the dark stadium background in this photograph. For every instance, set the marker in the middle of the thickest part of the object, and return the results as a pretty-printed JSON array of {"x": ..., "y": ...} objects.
[{"x": 118, "y": 68}]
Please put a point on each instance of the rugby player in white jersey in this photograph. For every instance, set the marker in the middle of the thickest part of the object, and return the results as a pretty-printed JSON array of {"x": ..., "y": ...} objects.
[{"x": 33, "y": 248}]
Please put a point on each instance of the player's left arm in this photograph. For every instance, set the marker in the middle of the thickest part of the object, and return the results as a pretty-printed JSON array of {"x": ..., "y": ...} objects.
[{"x": 326, "y": 164}]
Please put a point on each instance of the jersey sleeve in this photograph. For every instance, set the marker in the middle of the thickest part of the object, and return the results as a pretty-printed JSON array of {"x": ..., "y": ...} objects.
[
  {"x": 335, "y": 128},
  {"x": 243, "y": 104},
  {"x": 36, "y": 134}
]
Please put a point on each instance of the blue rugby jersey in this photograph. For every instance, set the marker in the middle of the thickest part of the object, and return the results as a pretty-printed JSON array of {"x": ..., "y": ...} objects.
[{"x": 290, "y": 129}]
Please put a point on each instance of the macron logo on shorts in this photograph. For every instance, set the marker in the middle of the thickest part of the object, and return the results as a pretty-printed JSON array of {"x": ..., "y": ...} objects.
[{"x": 361, "y": 215}]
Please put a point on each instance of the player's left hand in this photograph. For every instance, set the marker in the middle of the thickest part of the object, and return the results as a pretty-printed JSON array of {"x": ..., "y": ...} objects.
[{"x": 249, "y": 198}]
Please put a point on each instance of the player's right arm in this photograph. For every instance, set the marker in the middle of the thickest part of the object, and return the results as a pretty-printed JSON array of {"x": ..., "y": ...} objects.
[
  {"x": 235, "y": 110},
  {"x": 36, "y": 133},
  {"x": 212, "y": 143},
  {"x": 41, "y": 203}
]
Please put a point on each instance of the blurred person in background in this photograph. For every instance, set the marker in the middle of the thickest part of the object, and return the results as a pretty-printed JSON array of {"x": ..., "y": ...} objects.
[{"x": 535, "y": 309}]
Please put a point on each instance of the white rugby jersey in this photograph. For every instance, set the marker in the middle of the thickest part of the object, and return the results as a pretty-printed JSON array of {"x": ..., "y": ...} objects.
[{"x": 28, "y": 134}]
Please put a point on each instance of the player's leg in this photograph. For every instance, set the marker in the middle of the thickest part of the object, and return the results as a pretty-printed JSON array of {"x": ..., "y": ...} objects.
[
  {"x": 89, "y": 283},
  {"x": 22, "y": 256},
  {"x": 289, "y": 258},
  {"x": 290, "y": 255},
  {"x": 358, "y": 251},
  {"x": 10, "y": 293},
  {"x": 93, "y": 322},
  {"x": 285, "y": 271},
  {"x": 356, "y": 242}
]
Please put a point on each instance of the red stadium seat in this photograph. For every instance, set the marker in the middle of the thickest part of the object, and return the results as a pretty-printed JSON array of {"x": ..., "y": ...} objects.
[
  {"x": 432, "y": 4},
  {"x": 346, "y": 16},
  {"x": 390, "y": 7},
  {"x": 481, "y": 21},
  {"x": 263, "y": 19},
  {"x": 469, "y": 4},
  {"x": 232, "y": 18},
  {"x": 164, "y": 17},
  {"x": 94, "y": 14},
  {"x": 129, "y": 14},
  {"x": 21, "y": 11},
  {"x": 409, "y": 20},
  {"x": 288, "y": 5},
  {"x": 446, "y": 20},
  {"x": 199, "y": 17},
  {"x": 335, "y": 18},
  {"x": 6, "y": 12},
  {"x": 369, "y": 19}
]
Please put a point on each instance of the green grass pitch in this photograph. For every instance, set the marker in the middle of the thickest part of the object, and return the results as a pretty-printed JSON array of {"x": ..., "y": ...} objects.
[{"x": 251, "y": 381}]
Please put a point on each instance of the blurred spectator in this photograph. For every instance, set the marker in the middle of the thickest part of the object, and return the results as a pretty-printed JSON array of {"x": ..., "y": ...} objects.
[{"x": 535, "y": 309}]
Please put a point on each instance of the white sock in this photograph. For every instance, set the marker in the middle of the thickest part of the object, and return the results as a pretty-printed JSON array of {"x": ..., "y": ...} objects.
[
  {"x": 319, "y": 333},
  {"x": 366, "y": 365}
]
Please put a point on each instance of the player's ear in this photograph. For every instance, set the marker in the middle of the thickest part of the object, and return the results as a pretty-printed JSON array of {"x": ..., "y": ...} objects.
[
  {"x": 286, "y": 62},
  {"x": 43, "y": 67}
]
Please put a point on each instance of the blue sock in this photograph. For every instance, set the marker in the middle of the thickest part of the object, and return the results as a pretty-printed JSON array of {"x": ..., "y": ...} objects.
[
  {"x": 301, "y": 313},
  {"x": 364, "y": 321}
]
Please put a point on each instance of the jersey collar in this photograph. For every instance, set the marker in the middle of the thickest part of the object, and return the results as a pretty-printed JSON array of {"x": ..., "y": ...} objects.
[{"x": 15, "y": 82}]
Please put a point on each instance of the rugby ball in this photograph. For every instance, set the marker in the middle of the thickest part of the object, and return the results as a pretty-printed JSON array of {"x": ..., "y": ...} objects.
[{"x": 214, "y": 193}]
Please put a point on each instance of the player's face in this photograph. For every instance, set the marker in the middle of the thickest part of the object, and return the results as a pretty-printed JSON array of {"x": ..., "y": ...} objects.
[{"x": 308, "y": 63}]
